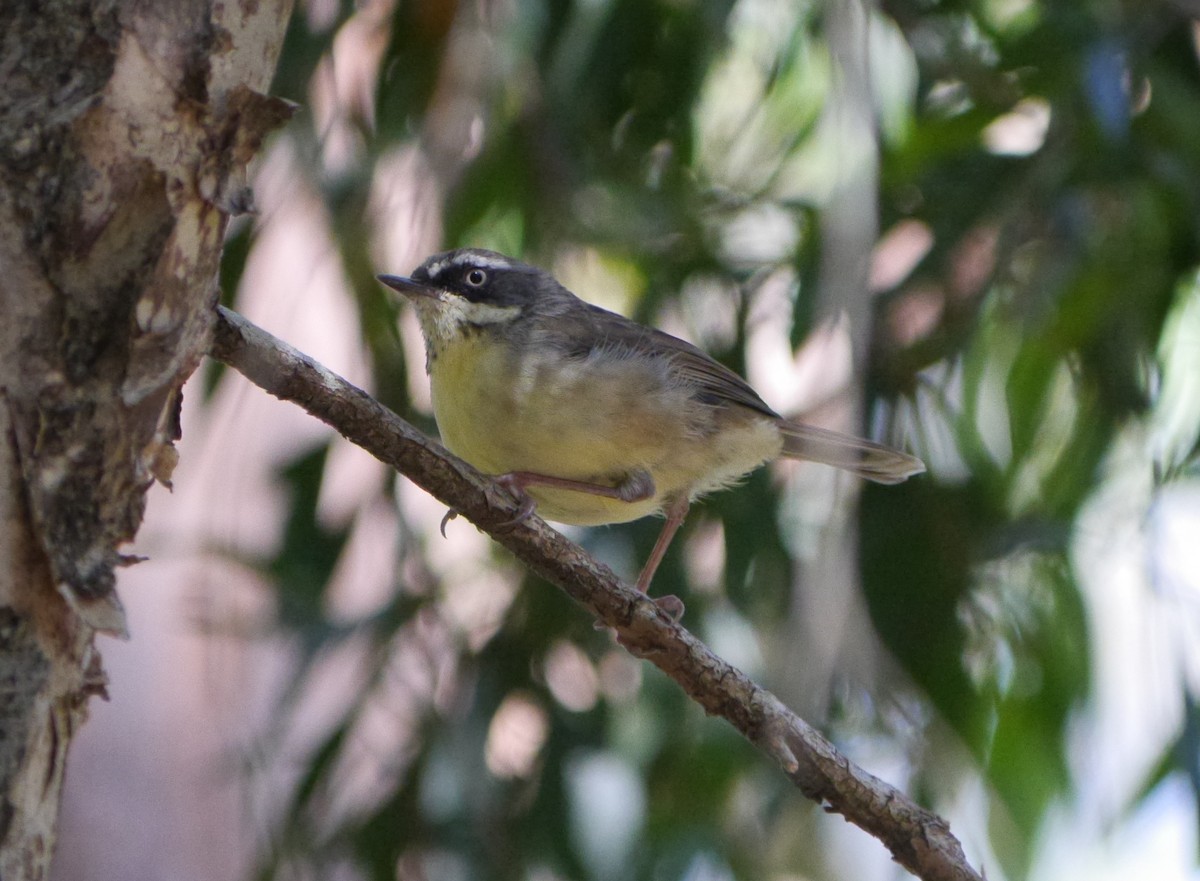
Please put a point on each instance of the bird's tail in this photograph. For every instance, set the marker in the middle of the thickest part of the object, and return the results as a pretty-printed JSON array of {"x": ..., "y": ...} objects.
[{"x": 862, "y": 457}]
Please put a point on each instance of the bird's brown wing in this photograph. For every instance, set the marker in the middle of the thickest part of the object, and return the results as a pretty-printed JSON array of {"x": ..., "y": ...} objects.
[
  {"x": 586, "y": 330},
  {"x": 714, "y": 383}
]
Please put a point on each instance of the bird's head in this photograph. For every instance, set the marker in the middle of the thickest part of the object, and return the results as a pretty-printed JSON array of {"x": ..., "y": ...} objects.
[{"x": 459, "y": 292}]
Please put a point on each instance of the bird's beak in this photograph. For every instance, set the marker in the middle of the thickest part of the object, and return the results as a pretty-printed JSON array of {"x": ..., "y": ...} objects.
[{"x": 408, "y": 287}]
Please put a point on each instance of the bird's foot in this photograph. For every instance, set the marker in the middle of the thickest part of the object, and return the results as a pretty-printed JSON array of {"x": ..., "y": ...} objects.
[
  {"x": 672, "y": 605},
  {"x": 515, "y": 484}
]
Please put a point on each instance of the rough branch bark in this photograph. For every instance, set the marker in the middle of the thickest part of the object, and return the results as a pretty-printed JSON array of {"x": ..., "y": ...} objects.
[
  {"x": 125, "y": 129},
  {"x": 918, "y": 839}
]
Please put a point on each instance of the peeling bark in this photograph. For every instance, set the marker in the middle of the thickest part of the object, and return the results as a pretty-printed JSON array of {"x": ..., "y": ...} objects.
[{"x": 125, "y": 129}]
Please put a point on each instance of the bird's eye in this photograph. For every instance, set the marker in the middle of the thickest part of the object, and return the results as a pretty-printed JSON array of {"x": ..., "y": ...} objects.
[{"x": 476, "y": 278}]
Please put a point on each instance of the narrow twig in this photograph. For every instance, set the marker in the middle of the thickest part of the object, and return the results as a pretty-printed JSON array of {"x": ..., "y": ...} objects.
[{"x": 918, "y": 839}]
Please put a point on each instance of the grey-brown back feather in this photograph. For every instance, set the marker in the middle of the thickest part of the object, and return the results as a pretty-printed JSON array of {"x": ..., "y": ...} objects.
[{"x": 580, "y": 329}]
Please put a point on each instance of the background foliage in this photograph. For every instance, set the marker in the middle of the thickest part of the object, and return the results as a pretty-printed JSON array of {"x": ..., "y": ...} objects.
[{"x": 1038, "y": 204}]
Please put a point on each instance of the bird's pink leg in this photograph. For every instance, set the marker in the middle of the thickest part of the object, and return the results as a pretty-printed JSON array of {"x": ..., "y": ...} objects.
[
  {"x": 635, "y": 487},
  {"x": 676, "y": 514}
]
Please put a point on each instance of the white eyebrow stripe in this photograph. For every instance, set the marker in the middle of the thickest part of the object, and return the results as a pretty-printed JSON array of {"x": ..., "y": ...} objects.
[{"x": 474, "y": 258}]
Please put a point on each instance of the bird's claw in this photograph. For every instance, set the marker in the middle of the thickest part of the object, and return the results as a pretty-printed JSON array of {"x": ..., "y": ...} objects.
[
  {"x": 525, "y": 502},
  {"x": 524, "y": 512},
  {"x": 450, "y": 515},
  {"x": 672, "y": 605}
]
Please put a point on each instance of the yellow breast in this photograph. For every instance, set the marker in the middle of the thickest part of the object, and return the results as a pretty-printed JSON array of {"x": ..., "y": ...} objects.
[{"x": 468, "y": 402}]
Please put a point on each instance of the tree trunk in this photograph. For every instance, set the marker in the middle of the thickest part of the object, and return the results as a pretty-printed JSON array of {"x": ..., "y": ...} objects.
[{"x": 125, "y": 129}]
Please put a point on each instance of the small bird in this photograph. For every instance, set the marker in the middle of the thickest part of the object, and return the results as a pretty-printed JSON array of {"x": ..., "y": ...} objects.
[{"x": 590, "y": 417}]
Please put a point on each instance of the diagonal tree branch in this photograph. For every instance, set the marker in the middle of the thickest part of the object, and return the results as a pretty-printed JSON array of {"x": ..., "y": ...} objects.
[{"x": 918, "y": 839}]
